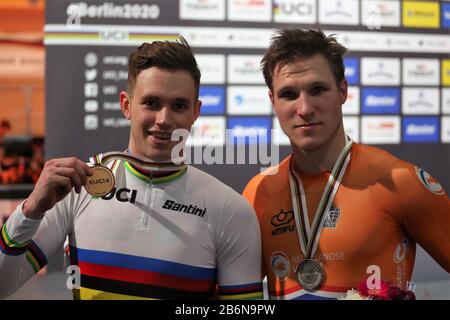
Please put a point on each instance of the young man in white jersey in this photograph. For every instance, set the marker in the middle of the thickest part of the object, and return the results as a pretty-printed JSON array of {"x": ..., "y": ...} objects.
[{"x": 165, "y": 230}]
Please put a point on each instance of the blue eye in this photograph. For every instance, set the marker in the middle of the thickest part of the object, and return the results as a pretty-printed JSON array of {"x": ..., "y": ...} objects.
[
  {"x": 180, "y": 106},
  {"x": 317, "y": 90},
  {"x": 288, "y": 95},
  {"x": 151, "y": 103}
]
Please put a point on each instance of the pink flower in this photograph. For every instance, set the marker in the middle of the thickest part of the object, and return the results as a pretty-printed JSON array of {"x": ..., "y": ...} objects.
[
  {"x": 380, "y": 293},
  {"x": 386, "y": 291}
]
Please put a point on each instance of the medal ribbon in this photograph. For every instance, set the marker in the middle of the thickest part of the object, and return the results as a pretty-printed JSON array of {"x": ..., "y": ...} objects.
[
  {"x": 137, "y": 160},
  {"x": 309, "y": 237}
]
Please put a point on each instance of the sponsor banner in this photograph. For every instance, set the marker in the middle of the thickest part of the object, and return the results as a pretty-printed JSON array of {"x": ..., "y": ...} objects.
[
  {"x": 297, "y": 11},
  {"x": 245, "y": 69},
  {"x": 445, "y": 9},
  {"x": 380, "y": 100},
  {"x": 446, "y": 72},
  {"x": 420, "y": 101},
  {"x": 421, "y": 71},
  {"x": 421, "y": 14},
  {"x": 351, "y": 105},
  {"x": 227, "y": 37},
  {"x": 351, "y": 127},
  {"x": 445, "y": 129},
  {"x": 420, "y": 129},
  {"x": 252, "y": 130},
  {"x": 377, "y": 14},
  {"x": 380, "y": 71},
  {"x": 212, "y": 68},
  {"x": 248, "y": 100},
  {"x": 250, "y": 38},
  {"x": 278, "y": 135},
  {"x": 380, "y": 129},
  {"x": 207, "y": 131},
  {"x": 202, "y": 9},
  {"x": 250, "y": 10},
  {"x": 393, "y": 42},
  {"x": 213, "y": 100},
  {"x": 339, "y": 12},
  {"x": 22, "y": 61},
  {"x": 445, "y": 100},
  {"x": 351, "y": 70}
]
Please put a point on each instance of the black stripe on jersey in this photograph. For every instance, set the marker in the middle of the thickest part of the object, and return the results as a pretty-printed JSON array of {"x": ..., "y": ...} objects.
[
  {"x": 37, "y": 254},
  {"x": 73, "y": 255},
  {"x": 221, "y": 293},
  {"x": 141, "y": 290}
]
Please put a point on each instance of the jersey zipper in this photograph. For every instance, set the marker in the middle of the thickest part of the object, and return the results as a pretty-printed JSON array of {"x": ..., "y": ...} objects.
[{"x": 148, "y": 199}]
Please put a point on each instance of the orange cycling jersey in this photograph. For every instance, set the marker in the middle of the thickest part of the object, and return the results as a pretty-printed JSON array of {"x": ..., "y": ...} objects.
[{"x": 383, "y": 207}]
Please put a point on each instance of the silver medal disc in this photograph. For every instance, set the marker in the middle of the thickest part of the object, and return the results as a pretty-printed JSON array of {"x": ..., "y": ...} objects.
[{"x": 310, "y": 274}]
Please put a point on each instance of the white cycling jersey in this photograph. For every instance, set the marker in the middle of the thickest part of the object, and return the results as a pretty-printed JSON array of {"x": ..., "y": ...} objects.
[{"x": 173, "y": 237}]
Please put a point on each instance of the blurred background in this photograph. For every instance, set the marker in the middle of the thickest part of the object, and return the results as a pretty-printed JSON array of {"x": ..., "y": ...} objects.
[{"x": 63, "y": 63}]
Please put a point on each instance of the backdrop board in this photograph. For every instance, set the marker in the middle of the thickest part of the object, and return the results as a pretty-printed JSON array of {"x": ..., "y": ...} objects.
[{"x": 397, "y": 67}]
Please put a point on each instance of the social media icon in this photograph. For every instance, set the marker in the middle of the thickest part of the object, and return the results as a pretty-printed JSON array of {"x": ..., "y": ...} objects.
[
  {"x": 90, "y": 122},
  {"x": 91, "y": 105},
  {"x": 90, "y": 74},
  {"x": 90, "y": 90},
  {"x": 90, "y": 59}
]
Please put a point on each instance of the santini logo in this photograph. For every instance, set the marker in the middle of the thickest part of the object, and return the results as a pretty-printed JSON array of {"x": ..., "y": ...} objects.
[{"x": 172, "y": 205}]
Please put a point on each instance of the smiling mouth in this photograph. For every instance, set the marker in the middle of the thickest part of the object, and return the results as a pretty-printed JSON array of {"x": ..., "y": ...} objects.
[{"x": 160, "y": 135}]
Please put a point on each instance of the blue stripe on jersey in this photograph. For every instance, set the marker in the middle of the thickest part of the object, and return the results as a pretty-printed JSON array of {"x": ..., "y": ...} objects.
[{"x": 143, "y": 263}]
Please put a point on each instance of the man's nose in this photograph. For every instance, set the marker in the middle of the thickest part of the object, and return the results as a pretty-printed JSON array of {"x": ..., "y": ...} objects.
[
  {"x": 305, "y": 106},
  {"x": 163, "y": 117}
]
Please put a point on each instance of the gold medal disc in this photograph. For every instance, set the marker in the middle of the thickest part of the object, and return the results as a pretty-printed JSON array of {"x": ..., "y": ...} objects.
[{"x": 101, "y": 182}]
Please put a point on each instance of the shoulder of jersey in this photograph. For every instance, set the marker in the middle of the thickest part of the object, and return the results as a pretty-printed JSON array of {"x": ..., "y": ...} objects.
[{"x": 383, "y": 162}]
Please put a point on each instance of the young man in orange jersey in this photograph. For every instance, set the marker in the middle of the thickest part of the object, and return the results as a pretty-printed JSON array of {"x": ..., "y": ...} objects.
[{"x": 339, "y": 212}]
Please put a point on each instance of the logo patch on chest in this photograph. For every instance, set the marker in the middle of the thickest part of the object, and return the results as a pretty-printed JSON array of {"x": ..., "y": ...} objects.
[
  {"x": 179, "y": 207},
  {"x": 332, "y": 218},
  {"x": 282, "y": 222}
]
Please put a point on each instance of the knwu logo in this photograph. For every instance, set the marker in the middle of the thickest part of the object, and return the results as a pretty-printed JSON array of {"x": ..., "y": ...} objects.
[{"x": 283, "y": 223}]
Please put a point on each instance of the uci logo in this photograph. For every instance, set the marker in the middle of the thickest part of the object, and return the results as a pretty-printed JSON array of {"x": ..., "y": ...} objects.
[
  {"x": 122, "y": 195},
  {"x": 113, "y": 35}
]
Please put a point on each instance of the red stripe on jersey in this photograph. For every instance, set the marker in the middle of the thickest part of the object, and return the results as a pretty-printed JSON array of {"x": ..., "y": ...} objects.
[{"x": 144, "y": 277}]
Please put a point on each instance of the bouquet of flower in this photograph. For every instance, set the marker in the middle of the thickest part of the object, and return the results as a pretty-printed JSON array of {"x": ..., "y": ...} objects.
[{"x": 386, "y": 291}]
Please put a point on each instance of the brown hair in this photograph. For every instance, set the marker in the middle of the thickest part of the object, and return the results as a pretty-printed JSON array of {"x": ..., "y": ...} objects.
[
  {"x": 290, "y": 44},
  {"x": 169, "y": 55}
]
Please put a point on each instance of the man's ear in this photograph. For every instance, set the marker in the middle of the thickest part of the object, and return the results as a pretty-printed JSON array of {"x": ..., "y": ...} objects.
[
  {"x": 197, "y": 106},
  {"x": 272, "y": 101},
  {"x": 125, "y": 104},
  {"x": 343, "y": 90}
]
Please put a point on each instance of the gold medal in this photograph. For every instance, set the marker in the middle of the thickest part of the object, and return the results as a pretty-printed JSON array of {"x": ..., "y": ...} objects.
[
  {"x": 101, "y": 182},
  {"x": 310, "y": 274}
]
